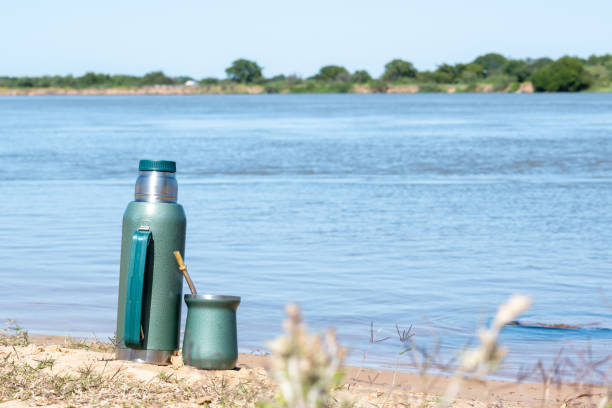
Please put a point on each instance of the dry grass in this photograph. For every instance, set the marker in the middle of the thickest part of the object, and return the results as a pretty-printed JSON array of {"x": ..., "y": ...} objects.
[
  {"x": 38, "y": 384},
  {"x": 28, "y": 373},
  {"x": 95, "y": 388},
  {"x": 92, "y": 345}
]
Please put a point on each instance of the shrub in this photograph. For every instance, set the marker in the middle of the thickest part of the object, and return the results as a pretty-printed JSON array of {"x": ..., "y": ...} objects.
[
  {"x": 339, "y": 87},
  {"x": 361, "y": 77},
  {"x": 501, "y": 83},
  {"x": 599, "y": 73},
  {"x": 156, "y": 78},
  {"x": 439, "y": 77},
  {"x": 567, "y": 74},
  {"x": 91, "y": 80},
  {"x": 272, "y": 88},
  {"x": 514, "y": 87},
  {"x": 469, "y": 72},
  {"x": 25, "y": 82},
  {"x": 125, "y": 80},
  {"x": 279, "y": 77},
  {"x": 430, "y": 88},
  {"x": 602, "y": 59},
  {"x": 303, "y": 87},
  {"x": 332, "y": 73},
  {"x": 517, "y": 69},
  {"x": 378, "y": 86},
  {"x": 181, "y": 79},
  {"x": 209, "y": 81},
  {"x": 447, "y": 72},
  {"x": 294, "y": 79},
  {"x": 470, "y": 88},
  {"x": 538, "y": 63}
]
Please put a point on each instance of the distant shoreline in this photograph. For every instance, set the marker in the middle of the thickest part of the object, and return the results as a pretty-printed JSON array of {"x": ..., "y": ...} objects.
[
  {"x": 245, "y": 89},
  {"x": 488, "y": 73}
]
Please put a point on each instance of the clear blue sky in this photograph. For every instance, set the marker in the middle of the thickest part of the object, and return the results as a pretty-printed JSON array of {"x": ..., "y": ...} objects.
[{"x": 201, "y": 38}]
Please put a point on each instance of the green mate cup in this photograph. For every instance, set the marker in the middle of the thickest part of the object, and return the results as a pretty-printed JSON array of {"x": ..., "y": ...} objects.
[{"x": 211, "y": 338}]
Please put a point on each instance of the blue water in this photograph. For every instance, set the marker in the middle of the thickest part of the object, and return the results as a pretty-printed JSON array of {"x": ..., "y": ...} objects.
[{"x": 423, "y": 210}]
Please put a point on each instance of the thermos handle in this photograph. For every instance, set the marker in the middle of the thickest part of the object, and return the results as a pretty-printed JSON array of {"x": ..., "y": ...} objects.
[{"x": 135, "y": 287}]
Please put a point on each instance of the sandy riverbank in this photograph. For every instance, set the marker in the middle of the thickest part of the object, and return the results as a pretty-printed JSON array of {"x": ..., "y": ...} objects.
[
  {"x": 148, "y": 90},
  {"x": 41, "y": 374},
  {"x": 526, "y": 87}
]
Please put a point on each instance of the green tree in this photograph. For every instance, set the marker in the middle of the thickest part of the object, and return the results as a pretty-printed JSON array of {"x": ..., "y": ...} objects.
[
  {"x": 279, "y": 77},
  {"x": 59, "y": 81},
  {"x": 209, "y": 81},
  {"x": 518, "y": 69},
  {"x": 538, "y": 63},
  {"x": 25, "y": 82},
  {"x": 126, "y": 80},
  {"x": 438, "y": 77},
  {"x": 181, "y": 79},
  {"x": 293, "y": 79},
  {"x": 157, "y": 78},
  {"x": 332, "y": 73},
  {"x": 91, "y": 80},
  {"x": 243, "y": 70},
  {"x": 361, "y": 77},
  {"x": 490, "y": 62},
  {"x": 602, "y": 59},
  {"x": 567, "y": 74},
  {"x": 470, "y": 72},
  {"x": 399, "y": 69},
  {"x": 447, "y": 73}
]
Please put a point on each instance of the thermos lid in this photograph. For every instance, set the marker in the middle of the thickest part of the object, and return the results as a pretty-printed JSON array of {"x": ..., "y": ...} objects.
[{"x": 157, "y": 165}]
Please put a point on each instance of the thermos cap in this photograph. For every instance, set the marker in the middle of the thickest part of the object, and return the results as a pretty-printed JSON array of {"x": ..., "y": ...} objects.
[{"x": 157, "y": 165}]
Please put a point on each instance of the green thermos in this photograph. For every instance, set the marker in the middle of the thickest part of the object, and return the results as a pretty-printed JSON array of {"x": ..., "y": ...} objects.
[{"x": 150, "y": 283}]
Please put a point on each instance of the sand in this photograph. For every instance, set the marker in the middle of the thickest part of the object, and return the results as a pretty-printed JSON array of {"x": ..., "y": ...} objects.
[
  {"x": 525, "y": 87},
  {"x": 364, "y": 387}
]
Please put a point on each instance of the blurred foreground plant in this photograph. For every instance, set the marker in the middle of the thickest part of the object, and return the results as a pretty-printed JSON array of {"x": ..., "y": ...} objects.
[
  {"x": 13, "y": 335},
  {"x": 306, "y": 366},
  {"x": 486, "y": 358}
]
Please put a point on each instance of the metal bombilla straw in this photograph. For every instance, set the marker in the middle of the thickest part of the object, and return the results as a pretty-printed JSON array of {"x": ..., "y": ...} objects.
[
  {"x": 183, "y": 268},
  {"x": 211, "y": 339}
]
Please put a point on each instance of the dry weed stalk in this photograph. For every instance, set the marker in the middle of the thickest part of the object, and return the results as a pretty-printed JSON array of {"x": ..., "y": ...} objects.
[
  {"x": 13, "y": 335},
  {"x": 606, "y": 400},
  {"x": 486, "y": 358},
  {"x": 373, "y": 340},
  {"x": 305, "y": 366}
]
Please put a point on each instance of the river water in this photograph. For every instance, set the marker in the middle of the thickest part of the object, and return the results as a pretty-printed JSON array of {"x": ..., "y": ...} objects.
[{"x": 370, "y": 211}]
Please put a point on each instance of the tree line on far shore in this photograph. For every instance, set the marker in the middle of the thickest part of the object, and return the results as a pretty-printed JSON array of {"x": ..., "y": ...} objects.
[{"x": 566, "y": 74}]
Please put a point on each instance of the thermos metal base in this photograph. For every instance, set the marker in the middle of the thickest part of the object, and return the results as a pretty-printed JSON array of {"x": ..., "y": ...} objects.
[{"x": 159, "y": 357}]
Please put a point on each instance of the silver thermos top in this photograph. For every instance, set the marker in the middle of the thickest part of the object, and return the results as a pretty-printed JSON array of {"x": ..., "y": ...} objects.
[{"x": 156, "y": 182}]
